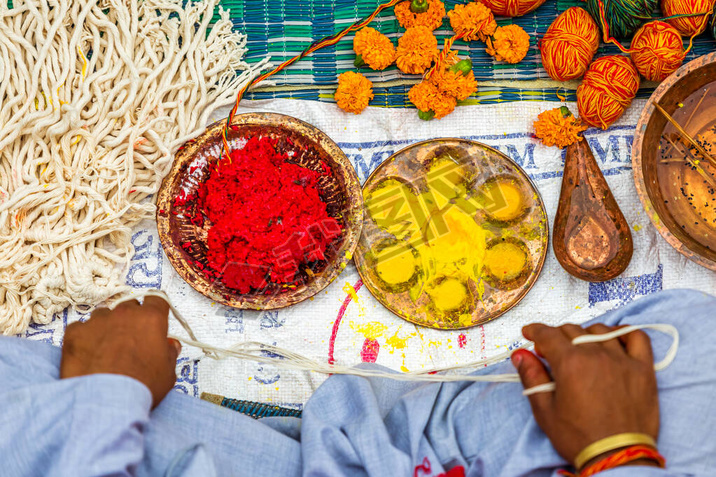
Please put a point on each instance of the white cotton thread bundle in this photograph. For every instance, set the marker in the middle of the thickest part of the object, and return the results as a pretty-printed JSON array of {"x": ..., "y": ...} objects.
[
  {"x": 95, "y": 97},
  {"x": 263, "y": 353}
]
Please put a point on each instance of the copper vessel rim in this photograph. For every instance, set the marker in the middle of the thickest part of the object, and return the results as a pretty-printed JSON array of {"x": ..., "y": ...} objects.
[
  {"x": 353, "y": 212},
  {"x": 642, "y": 189}
]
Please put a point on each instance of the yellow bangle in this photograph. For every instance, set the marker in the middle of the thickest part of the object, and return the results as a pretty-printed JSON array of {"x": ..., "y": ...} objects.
[{"x": 611, "y": 443}]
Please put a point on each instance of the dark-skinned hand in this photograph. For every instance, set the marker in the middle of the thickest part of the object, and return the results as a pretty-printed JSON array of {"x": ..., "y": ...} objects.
[
  {"x": 130, "y": 340},
  {"x": 603, "y": 389}
]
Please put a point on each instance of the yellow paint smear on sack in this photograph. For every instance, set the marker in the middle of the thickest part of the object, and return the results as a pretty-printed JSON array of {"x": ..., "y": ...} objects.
[
  {"x": 348, "y": 288},
  {"x": 350, "y": 291},
  {"x": 396, "y": 342},
  {"x": 371, "y": 330}
]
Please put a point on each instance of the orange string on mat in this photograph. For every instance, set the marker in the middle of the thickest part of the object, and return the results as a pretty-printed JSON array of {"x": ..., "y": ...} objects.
[
  {"x": 472, "y": 21},
  {"x": 512, "y": 8},
  {"x": 447, "y": 56},
  {"x": 569, "y": 44},
  {"x": 691, "y": 16},
  {"x": 327, "y": 41},
  {"x": 657, "y": 50},
  {"x": 608, "y": 88}
]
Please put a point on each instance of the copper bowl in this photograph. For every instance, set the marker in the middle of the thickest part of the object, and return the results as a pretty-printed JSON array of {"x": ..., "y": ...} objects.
[
  {"x": 341, "y": 192},
  {"x": 670, "y": 94}
]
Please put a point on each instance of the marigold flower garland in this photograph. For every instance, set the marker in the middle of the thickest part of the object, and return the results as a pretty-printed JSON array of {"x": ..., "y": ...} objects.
[
  {"x": 373, "y": 49},
  {"x": 437, "y": 95},
  {"x": 509, "y": 43},
  {"x": 354, "y": 92},
  {"x": 447, "y": 79},
  {"x": 417, "y": 49},
  {"x": 426, "y": 13},
  {"x": 558, "y": 127}
]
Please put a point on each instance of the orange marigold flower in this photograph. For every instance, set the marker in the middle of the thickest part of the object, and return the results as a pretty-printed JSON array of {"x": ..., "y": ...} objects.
[
  {"x": 428, "y": 98},
  {"x": 558, "y": 127},
  {"x": 431, "y": 19},
  {"x": 375, "y": 49},
  {"x": 510, "y": 43},
  {"x": 354, "y": 92},
  {"x": 417, "y": 49},
  {"x": 455, "y": 84},
  {"x": 472, "y": 21}
]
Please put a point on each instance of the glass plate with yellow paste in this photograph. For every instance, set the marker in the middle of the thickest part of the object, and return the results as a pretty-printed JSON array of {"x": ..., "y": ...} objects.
[{"x": 454, "y": 234}]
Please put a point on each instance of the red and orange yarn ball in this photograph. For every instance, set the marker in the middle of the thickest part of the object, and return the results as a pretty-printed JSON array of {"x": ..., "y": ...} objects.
[
  {"x": 608, "y": 88},
  {"x": 657, "y": 50},
  {"x": 688, "y": 26},
  {"x": 512, "y": 8},
  {"x": 569, "y": 44}
]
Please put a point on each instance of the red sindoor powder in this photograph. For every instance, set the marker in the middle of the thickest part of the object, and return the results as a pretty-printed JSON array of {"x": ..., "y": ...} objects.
[{"x": 267, "y": 217}]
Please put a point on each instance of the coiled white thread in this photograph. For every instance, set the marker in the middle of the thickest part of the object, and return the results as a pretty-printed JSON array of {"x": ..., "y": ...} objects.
[
  {"x": 95, "y": 97},
  {"x": 254, "y": 351}
]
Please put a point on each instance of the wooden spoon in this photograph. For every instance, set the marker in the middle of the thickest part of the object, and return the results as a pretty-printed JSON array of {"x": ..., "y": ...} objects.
[{"x": 592, "y": 240}]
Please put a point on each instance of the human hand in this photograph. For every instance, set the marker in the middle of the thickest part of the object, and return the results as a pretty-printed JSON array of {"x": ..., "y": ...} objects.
[
  {"x": 130, "y": 340},
  {"x": 602, "y": 389}
]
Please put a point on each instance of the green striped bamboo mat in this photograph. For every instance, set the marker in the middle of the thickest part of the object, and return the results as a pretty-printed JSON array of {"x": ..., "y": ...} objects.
[{"x": 283, "y": 28}]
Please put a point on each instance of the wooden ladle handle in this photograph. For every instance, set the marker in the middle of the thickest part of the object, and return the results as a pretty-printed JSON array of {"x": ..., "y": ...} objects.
[{"x": 591, "y": 239}]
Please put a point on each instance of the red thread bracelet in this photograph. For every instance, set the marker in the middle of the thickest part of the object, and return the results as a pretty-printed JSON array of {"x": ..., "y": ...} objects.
[{"x": 624, "y": 456}]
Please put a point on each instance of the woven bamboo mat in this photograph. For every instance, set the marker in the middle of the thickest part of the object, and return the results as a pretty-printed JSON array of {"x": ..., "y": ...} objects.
[{"x": 282, "y": 28}]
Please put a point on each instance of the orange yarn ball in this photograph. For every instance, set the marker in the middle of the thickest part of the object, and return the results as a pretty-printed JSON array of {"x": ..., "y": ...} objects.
[
  {"x": 512, "y": 8},
  {"x": 688, "y": 26},
  {"x": 657, "y": 50},
  {"x": 569, "y": 44},
  {"x": 608, "y": 87}
]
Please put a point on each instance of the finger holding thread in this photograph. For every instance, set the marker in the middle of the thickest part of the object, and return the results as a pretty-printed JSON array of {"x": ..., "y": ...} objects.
[
  {"x": 638, "y": 346},
  {"x": 533, "y": 373},
  {"x": 572, "y": 330},
  {"x": 550, "y": 342},
  {"x": 614, "y": 344}
]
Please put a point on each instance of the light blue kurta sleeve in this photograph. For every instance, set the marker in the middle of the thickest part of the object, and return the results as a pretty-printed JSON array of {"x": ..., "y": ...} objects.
[
  {"x": 641, "y": 471},
  {"x": 352, "y": 426},
  {"x": 102, "y": 425},
  {"x": 356, "y": 426},
  {"x": 87, "y": 426}
]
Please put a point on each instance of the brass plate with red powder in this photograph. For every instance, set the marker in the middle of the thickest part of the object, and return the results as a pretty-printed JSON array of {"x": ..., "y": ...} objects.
[
  {"x": 185, "y": 243},
  {"x": 411, "y": 213}
]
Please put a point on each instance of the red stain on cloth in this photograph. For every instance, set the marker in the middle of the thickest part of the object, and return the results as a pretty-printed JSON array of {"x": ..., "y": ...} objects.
[
  {"x": 370, "y": 351},
  {"x": 461, "y": 340}
]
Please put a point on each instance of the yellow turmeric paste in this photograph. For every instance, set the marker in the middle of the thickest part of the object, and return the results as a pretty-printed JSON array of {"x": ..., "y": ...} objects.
[
  {"x": 460, "y": 247},
  {"x": 505, "y": 261},
  {"x": 446, "y": 180},
  {"x": 450, "y": 294},
  {"x": 452, "y": 258},
  {"x": 509, "y": 202},
  {"x": 396, "y": 264},
  {"x": 389, "y": 205}
]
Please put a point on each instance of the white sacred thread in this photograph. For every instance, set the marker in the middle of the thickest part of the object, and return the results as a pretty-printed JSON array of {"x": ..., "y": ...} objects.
[
  {"x": 263, "y": 353},
  {"x": 95, "y": 98}
]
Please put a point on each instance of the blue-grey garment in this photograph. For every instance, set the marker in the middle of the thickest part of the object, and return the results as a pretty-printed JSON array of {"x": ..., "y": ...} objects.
[{"x": 101, "y": 425}]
